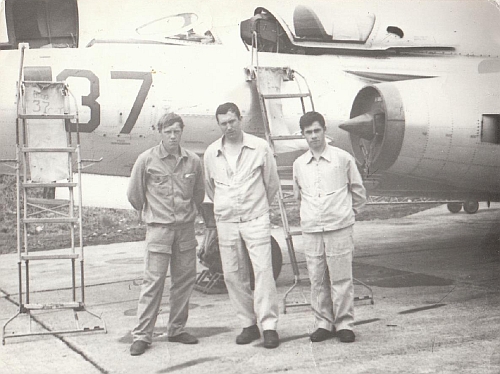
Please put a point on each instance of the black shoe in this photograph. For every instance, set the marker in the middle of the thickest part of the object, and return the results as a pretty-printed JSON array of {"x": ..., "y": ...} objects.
[
  {"x": 271, "y": 339},
  {"x": 183, "y": 338},
  {"x": 248, "y": 335},
  {"x": 346, "y": 336},
  {"x": 138, "y": 347},
  {"x": 321, "y": 335}
]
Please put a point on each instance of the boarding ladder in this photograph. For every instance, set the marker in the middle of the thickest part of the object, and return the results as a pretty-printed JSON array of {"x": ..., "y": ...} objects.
[
  {"x": 45, "y": 158},
  {"x": 274, "y": 85}
]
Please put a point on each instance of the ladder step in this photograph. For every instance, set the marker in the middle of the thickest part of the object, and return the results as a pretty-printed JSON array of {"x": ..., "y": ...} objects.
[
  {"x": 47, "y": 116},
  {"x": 50, "y": 220},
  {"x": 295, "y": 233},
  {"x": 286, "y": 96},
  {"x": 286, "y": 178},
  {"x": 58, "y": 149},
  {"x": 286, "y": 137},
  {"x": 44, "y": 185},
  {"x": 285, "y": 169},
  {"x": 68, "y": 305},
  {"x": 47, "y": 201},
  {"x": 50, "y": 257}
]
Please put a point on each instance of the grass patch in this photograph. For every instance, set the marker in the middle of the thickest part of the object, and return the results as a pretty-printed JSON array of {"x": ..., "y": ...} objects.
[{"x": 106, "y": 226}]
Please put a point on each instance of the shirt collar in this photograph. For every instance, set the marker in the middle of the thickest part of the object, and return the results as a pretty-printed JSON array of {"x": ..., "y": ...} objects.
[
  {"x": 164, "y": 153},
  {"x": 326, "y": 155},
  {"x": 248, "y": 141}
]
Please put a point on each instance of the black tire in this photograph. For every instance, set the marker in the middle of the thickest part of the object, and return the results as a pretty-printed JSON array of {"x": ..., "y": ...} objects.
[
  {"x": 215, "y": 263},
  {"x": 454, "y": 207},
  {"x": 277, "y": 259},
  {"x": 471, "y": 206}
]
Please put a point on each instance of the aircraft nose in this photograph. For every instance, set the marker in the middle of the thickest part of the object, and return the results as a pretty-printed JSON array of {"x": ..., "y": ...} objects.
[{"x": 363, "y": 125}]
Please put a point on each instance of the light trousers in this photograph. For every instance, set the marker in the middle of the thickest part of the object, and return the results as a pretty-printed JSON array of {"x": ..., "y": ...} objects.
[
  {"x": 329, "y": 263},
  {"x": 262, "y": 305}
]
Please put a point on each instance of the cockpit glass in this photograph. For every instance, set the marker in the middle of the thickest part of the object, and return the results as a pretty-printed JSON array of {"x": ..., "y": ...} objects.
[{"x": 182, "y": 27}]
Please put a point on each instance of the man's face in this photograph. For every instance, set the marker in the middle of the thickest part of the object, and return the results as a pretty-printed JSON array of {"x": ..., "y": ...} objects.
[
  {"x": 315, "y": 136},
  {"x": 171, "y": 136},
  {"x": 230, "y": 125}
]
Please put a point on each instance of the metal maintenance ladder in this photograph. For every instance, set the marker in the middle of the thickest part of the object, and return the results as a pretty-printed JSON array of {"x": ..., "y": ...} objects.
[
  {"x": 268, "y": 82},
  {"x": 45, "y": 155},
  {"x": 274, "y": 84}
]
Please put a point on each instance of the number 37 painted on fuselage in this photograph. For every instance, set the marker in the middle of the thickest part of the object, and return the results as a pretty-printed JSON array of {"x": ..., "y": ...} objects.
[{"x": 90, "y": 100}]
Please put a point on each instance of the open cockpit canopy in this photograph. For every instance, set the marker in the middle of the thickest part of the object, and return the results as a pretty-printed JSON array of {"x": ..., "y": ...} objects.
[{"x": 323, "y": 27}]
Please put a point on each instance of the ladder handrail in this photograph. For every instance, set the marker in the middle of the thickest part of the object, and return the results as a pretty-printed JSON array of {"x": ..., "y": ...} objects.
[
  {"x": 255, "y": 50},
  {"x": 20, "y": 76},
  {"x": 284, "y": 216},
  {"x": 57, "y": 93}
]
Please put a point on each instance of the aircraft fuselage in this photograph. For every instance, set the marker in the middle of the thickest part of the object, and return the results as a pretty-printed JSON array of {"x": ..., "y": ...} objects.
[{"x": 440, "y": 102}]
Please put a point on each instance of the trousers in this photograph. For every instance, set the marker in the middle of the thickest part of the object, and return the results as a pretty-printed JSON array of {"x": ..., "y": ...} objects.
[
  {"x": 329, "y": 263},
  {"x": 181, "y": 256},
  {"x": 255, "y": 235}
]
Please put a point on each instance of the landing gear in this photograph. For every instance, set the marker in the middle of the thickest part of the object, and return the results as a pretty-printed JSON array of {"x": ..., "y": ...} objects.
[
  {"x": 211, "y": 280},
  {"x": 210, "y": 257},
  {"x": 471, "y": 206},
  {"x": 454, "y": 207}
]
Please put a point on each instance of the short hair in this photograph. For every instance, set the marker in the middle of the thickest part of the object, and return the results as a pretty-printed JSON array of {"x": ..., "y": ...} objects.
[
  {"x": 227, "y": 107},
  {"x": 309, "y": 118},
  {"x": 169, "y": 119}
]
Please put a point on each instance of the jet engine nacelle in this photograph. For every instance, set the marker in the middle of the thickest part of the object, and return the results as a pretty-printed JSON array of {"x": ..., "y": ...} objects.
[{"x": 444, "y": 130}]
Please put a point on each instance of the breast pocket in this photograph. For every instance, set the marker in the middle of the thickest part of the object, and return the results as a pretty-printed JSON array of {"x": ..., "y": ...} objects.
[{"x": 159, "y": 183}]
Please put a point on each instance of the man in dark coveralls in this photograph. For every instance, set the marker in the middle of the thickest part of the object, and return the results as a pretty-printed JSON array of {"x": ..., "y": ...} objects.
[{"x": 167, "y": 185}]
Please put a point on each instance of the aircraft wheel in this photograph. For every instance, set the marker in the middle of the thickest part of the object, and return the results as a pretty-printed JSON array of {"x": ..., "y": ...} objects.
[
  {"x": 454, "y": 207},
  {"x": 277, "y": 259},
  {"x": 471, "y": 206},
  {"x": 211, "y": 257}
]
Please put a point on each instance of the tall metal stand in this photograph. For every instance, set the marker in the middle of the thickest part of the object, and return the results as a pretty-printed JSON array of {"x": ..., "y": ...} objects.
[{"x": 45, "y": 155}]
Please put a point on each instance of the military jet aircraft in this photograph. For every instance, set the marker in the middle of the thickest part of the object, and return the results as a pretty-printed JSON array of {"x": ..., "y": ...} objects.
[{"x": 411, "y": 88}]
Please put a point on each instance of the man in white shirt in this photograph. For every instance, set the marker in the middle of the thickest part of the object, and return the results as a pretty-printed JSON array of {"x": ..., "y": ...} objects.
[
  {"x": 330, "y": 192},
  {"x": 241, "y": 179}
]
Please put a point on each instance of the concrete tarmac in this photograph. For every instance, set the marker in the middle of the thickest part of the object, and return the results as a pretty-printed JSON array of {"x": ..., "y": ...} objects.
[{"x": 436, "y": 285}]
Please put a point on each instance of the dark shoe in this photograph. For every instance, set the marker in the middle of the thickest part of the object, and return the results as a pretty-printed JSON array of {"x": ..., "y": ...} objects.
[
  {"x": 138, "y": 347},
  {"x": 321, "y": 335},
  {"x": 271, "y": 339},
  {"x": 248, "y": 335},
  {"x": 183, "y": 338},
  {"x": 346, "y": 336}
]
